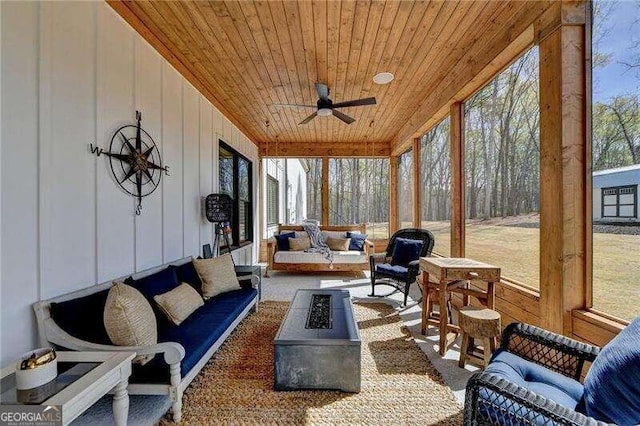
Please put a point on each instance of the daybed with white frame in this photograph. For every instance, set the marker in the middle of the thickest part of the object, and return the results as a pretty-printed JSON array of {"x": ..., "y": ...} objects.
[{"x": 50, "y": 333}]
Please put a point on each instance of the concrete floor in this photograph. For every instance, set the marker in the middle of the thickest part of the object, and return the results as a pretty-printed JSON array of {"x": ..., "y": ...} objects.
[{"x": 283, "y": 285}]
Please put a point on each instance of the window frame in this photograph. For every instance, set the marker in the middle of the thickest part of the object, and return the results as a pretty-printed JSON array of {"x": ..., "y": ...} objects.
[
  {"x": 273, "y": 181},
  {"x": 617, "y": 205},
  {"x": 235, "y": 217}
]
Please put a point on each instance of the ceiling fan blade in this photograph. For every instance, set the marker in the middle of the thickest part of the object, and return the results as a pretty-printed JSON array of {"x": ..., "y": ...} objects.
[
  {"x": 295, "y": 105},
  {"x": 309, "y": 118},
  {"x": 343, "y": 117},
  {"x": 323, "y": 91},
  {"x": 355, "y": 102}
]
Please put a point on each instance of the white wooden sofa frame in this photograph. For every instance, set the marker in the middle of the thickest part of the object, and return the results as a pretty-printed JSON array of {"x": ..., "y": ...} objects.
[
  {"x": 357, "y": 268},
  {"x": 50, "y": 333}
]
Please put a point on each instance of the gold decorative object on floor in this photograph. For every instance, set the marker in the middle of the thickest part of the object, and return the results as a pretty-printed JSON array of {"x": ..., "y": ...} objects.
[{"x": 399, "y": 384}]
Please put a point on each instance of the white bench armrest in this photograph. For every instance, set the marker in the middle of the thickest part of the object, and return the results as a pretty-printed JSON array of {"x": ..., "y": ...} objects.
[{"x": 173, "y": 352}]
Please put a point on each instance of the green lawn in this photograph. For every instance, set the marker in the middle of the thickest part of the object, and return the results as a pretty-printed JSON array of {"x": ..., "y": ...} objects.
[{"x": 616, "y": 263}]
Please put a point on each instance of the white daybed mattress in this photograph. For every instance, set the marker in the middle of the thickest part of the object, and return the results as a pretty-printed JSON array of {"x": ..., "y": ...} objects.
[{"x": 350, "y": 256}]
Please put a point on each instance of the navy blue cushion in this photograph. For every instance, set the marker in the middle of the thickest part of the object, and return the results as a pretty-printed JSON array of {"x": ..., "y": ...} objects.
[
  {"x": 357, "y": 241},
  {"x": 83, "y": 317},
  {"x": 612, "y": 385},
  {"x": 395, "y": 271},
  {"x": 196, "y": 334},
  {"x": 283, "y": 240},
  {"x": 554, "y": 386},
  {"x": 557, "y": 387},
  {"x": 153, "y": 285},
  {"x": 405, "y": 251},
  {"x": 187, "y": 274}
]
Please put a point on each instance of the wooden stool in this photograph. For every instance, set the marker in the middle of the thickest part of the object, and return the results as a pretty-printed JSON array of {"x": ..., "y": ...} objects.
[{"x": 482, "y": 324}]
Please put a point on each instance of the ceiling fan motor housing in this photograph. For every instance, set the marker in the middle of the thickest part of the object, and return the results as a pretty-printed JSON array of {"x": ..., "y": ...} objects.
[{"x": 325, "y": 103}]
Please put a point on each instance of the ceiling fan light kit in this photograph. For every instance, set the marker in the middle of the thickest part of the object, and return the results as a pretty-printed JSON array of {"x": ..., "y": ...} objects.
[
  {"x": 325, "y": 106},
  {"x": 383, "y": 78}
]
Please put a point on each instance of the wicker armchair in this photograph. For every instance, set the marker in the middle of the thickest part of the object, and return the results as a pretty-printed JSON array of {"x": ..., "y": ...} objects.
[
  {"x": 399, "y": 275},
  {"x": 494, "y": 400}
]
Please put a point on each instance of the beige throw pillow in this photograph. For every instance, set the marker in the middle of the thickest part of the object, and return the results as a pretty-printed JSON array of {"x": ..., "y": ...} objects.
[
  {"x": 338, "y": 244},
  {"x": 179, "y": 303},
  {"x": 217, "y": 275},
  {"x": 299, "y": 244},
  {"x": 129, "y": 319}
]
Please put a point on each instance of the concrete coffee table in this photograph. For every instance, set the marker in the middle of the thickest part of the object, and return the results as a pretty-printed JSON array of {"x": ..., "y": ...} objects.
[{"x": 318, "y": 343}]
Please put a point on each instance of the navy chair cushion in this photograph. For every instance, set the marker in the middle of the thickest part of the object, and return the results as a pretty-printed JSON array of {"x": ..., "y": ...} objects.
[
  {"x": 196, "y": 334},
  {"x": 395, "y": 271},
  {"x": 357, "y": 241},
  {"x": 187, "y": 274},
  {"x": 557, "y": 387},
  {"x": 405, "y": 251},
  {"x": 283, "y": 240},
  {"x": 83, "y": 317},
  {"x": 612, "y": 385}
]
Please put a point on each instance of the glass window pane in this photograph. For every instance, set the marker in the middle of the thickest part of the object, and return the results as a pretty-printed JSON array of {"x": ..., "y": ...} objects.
[
  {"x": 626, "y": 211},
  {"x": 243, "y": 179},
  {"x": 314, "y": 188},
  {"x": 359, "y": 193},
  {"x": 405, "y": 190},
  {"x": 502, "y": 166},
  {"x": 235, "y": 180},
  {"x": 272, "y": 201},
  {"x": 616, "y": 156},
  {"x": 226, "y": 172},
  {"x": 435, "y": 186}
]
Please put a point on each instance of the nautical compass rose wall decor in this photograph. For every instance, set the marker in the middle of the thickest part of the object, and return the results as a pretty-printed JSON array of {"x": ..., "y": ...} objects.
[{"x": 135, "y": 160}]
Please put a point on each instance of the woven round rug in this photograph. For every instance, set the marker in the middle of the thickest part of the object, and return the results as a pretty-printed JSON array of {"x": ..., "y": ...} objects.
[{"x": 399, "y": 384}]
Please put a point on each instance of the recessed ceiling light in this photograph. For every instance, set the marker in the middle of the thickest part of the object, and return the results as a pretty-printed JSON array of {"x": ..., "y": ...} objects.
[{"x": 383, "y": 78}]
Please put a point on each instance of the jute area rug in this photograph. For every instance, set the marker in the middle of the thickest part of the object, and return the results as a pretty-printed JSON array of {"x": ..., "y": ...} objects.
[{"x": 399, "y": 385}]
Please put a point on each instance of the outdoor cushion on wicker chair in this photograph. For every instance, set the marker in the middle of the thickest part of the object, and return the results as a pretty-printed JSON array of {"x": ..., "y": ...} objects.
[
  {"x": 533, "y": 379},
  {"x": 398, "y": 266}
]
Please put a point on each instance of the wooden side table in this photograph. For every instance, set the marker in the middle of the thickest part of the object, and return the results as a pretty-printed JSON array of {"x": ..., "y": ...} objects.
[
  {"x": 84, "y": 377},
  {"x": 443, "y": 275}
]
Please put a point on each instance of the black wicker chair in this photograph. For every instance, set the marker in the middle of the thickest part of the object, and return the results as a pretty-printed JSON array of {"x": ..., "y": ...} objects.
[
  {"x": 494, "y": 400},
  {"x": 404, "y": 274}
]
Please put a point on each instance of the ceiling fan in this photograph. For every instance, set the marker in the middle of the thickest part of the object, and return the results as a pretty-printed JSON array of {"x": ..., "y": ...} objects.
[{"x": 326, "y": 107}]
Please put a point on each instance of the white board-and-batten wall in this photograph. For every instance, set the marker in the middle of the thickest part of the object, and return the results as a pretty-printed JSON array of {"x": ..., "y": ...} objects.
[{"x": 72, "y": 73}]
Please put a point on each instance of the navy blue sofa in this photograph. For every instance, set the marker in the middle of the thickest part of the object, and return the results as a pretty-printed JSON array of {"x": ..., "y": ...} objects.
[
  {"x": 76, "y": 323},
  {"x": 534, "y": 379}
]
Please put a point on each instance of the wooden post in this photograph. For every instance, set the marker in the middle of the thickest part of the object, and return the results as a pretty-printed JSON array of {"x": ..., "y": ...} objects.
[
  {"x": 394, "y": 162},
  {"x": 325, "y": 191},
  {"x": 563, "y": 154},
  {"x": 417, "y": 201},
  {"x": 457, "y": 179}
]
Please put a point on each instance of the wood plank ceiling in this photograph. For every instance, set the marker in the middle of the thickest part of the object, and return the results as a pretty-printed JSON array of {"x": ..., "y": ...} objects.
[{"x": 247, "y": 56}]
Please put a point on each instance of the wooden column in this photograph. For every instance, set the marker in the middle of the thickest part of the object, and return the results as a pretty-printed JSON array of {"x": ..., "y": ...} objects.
[
  {"x": 394, "y": 161},
  {"x": 417, "y": 201},
  {"x": 457, "y": 179},
  {"x": 325, "y": 191},
  {"x": 563, "y": 169}
]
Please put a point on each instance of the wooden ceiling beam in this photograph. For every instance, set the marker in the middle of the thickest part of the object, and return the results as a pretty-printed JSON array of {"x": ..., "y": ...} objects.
[{"x": 323, "y": 149}]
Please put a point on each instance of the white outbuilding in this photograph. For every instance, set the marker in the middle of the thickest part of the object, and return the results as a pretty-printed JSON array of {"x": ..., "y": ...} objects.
[{"x": 615, "y": 194}]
